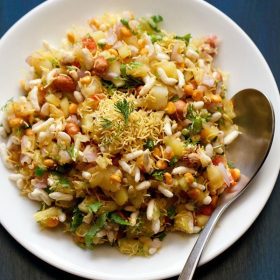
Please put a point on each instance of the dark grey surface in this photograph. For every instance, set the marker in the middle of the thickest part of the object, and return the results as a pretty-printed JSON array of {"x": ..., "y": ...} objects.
[{"x": 256, "y": 255}]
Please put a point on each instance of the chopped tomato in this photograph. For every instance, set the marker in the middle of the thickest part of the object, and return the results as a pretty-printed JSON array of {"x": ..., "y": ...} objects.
[
  {"x": 218, "y": 159},
  {"x": 89, "y": 43},
  {"x": 206, "y": 210}
]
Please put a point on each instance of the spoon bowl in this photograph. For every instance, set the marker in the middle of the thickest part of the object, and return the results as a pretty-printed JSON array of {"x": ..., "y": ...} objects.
[{"x": 255, "y": 119}]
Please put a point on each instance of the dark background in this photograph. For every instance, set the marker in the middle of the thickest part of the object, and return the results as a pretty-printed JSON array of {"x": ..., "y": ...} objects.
[{"x": 256, "y": 255}]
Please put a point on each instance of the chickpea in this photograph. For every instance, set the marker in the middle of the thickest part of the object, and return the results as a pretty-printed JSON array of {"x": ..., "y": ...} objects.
[
  {"x": 49, "y": 163},
  {"x": 125, "y": 31},
  {"x": 161, "y": 164},
  {"x": 73, "y": 108},
  {"x": 188, "y": 89}
]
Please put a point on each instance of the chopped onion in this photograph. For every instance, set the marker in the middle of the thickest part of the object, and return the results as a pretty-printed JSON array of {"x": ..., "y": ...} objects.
[{"x": 225, "y": 173}]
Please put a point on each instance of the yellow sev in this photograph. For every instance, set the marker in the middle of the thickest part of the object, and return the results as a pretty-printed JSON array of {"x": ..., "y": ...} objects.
[{"x": 118, "y": 136}]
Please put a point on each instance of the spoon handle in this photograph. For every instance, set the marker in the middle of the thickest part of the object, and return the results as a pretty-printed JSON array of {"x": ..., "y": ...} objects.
[{"x": 191, "y": 264}]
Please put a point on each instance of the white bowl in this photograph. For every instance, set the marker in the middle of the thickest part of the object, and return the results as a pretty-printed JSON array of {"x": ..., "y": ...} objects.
[{"x": 238, "y": 55}]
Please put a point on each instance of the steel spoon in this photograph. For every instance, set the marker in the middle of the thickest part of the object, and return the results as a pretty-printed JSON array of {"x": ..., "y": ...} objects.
[{"x": 255, "y": 118}]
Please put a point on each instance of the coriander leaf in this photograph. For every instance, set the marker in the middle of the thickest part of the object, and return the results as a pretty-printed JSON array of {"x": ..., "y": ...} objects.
[
  {"x": 149, "y": 144},
  {"x": 129, "y": 80},
  {"x": 157, "y": 18},
  {"x": 154, "y": 21},
  {"x": 106, "y": 123},
  {"x": 186, "y": 38},
  {"x": 156, "y": 37},
  {"x": 72, "y": 152},
  {"x": 196, "y": 125},
  {"x": 111, "y": 88},
  {"x": 134, "y": 64},
  {"x": 119, "y": 220},
  {"x": 94, "y": 207},
  {"x": 196, "y": 119},
  {"x": 160, "y": 235},
  {"x": 158, "y": 174},
  {"x": 173, "y": 161},
  {"x": 123, "y": 69},
  {"x": 96, "y": 227},
  {"x": 101, "y": 44},
  {"x": 175, "y": 98},
  {"x": 39, "y": 171},
  {"x": 61, "y": 180},
  {"x": 77, "y": 219},
  {"x": 171, "y": 211},
  {"x": 124, "y": 22},
  {"x": 125, "y": 108},
  {"x": 230, "y": 164},
  {"x": 71, "y": 68}
]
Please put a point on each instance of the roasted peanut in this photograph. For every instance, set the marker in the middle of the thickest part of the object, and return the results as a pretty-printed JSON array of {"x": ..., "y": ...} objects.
[
  {"x": 64, "y": 83},
  {"x": 72, "y": 128},
  {"x": 100, "y": 65}
]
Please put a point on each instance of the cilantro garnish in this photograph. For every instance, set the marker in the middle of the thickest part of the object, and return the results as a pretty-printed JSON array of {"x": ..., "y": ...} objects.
[
  {"x": 154, "y": 21},
  {"x": 63, "y": 181},
  {"x": 77, "y": 219},
  {"x": 94, "y": 207},
  {"x": 160, "y": 235},
  {"x": 171, "y": 211},
  {"x": 196, "y": 119},
  {"x": 149, "y": 144},
  {"x": 125, "y": 108},
  {"x": 72, "y": 152},
  {"x": 97, "y": 226},
  {"x": 130, "y": 81},
  {"x": 173, "y": 161},
  {"x": 124, "y": 22},
  {"x": 106, "y": 123},
  {"x": 230, "y": 164},
  {"x": 158, "y": 174},
  {"x": 39, "y": 171},
  {"x": 186, "y": 38},
  {"x": 156, "y": 37},
  {"x": 175, "y": 98},
  {"x": 119, "y": 220}
]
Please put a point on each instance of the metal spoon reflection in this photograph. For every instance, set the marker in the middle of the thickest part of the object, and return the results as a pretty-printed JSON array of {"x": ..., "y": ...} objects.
[{"x": 255, "y": 118}]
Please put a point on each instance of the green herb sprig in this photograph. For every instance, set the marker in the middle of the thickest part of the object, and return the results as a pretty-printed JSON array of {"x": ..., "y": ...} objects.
[
  {"x": 125, "y": 108},
  {"x": 186, "y": 38}
]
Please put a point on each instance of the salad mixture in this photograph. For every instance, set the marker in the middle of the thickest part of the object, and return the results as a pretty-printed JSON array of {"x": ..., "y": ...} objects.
[{"x": 120, "y": 133}]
